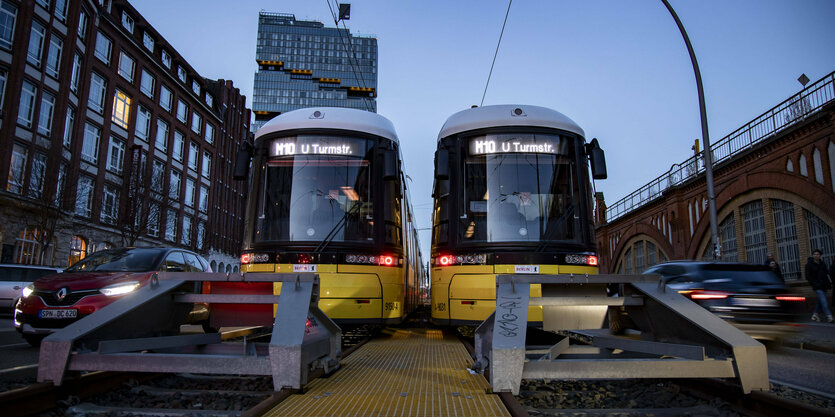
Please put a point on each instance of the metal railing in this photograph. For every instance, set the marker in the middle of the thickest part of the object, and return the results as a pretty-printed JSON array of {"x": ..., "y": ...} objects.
[{"x": 792, "y": 110}]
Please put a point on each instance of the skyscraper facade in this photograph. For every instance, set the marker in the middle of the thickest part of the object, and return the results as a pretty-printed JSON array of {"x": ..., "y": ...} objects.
[{"x": 302, "y": 63}]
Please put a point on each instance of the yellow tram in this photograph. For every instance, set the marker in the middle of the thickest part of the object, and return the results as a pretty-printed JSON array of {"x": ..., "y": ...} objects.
[{"x": 512, "y": 195}]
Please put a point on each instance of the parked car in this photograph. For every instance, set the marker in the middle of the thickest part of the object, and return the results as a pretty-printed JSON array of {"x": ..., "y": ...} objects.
[
  {"x": 751, "y": 297},
  {"x": 14, "y": 277},
  {"x": 54, "y": 301}
]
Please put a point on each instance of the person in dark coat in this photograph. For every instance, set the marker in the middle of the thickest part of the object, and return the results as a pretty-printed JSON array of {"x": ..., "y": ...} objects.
[
  {"x": 818, "y": 276},
  {"x": 774, "y": 266}
]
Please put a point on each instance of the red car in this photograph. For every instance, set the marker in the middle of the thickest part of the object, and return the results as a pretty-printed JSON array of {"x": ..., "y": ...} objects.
[{"x": 54, "y": 301}]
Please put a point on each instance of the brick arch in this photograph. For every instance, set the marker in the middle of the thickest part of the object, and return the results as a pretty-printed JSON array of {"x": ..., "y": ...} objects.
[{"x": 640, "y": 231}]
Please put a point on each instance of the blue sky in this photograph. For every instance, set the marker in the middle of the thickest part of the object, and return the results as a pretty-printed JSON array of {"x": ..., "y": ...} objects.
[{"x": 620, "y": 69}]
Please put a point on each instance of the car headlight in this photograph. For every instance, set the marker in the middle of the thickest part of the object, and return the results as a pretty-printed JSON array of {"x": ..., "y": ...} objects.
[
  {"x": 27, "y": 290},
  {"x": 120, "y": 288}
]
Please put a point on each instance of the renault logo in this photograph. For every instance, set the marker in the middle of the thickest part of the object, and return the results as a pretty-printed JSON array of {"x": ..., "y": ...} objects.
[{"x": 61, "y": 294}]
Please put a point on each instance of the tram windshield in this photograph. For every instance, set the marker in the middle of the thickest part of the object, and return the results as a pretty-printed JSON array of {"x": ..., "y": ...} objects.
[
  {"x": 316, "y": 188},
  {"x": 520, "y": 187}
]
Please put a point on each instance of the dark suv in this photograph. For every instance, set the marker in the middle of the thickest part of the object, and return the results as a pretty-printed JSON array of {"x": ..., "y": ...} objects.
[{"x": 751, "y": 297}]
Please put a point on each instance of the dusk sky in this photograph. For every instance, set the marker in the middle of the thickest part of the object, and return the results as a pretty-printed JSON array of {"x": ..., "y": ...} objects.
[{"x": 620, "y": 69}]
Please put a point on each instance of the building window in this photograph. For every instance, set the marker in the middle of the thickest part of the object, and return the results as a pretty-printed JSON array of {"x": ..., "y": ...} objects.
[
  {"x": 147, "y": 84},
  {"x": 69, "y": 124},
  {"x": 182, "y": 110},
  {"x": 157, "y": 176},
  {"x": 207, "y": 164},
  {"x": 209, "y": 100},
  {"x": 189, "y": 201},
  {"x": 61, "y": 9},
  {"x": 727, "y": 236},
  {"x": 27, "y": 104},
  {"x": 90, "y": 147},
  {"x": 174, "y": 185},
  {"x": 166, "y": 59},
  {"x": 196, "y": 122},
  {"x": 785, "y": 230},
  {"x": 98, "y": 87},
  {"x": 185, "y": 237},
  {"x": 171, "y": 226},
  {"x": 14, "y": 183},
  {"x": 43, "y": 3},
  {"x": 47, "y": 109},
  {"x": 148, "y": 41},
  {"x": 36, "y": 38},
  {"x": 115, "y": 155},
  {"x": 161, "y": 142},
  {"x": 640, "y": 255},
  {"x": 153, "y": 219},
  {"x": 84, "y": 196},
  {"x": 78, "y": 249},
  {"x": 121, "y": 109},
  {"x": 201, "y": 235},
  {"x": 103, "y": 48},
  {"x": 82, "y": 24},
  {"x": 126, "y": 64},
  {"x": 3, "y": 76},
  {"x": 181, "y": 73},
  {"x": 127, "y": 22},
  {"x": 28, "y": 247},
  {"x": 195, "y": 86},
  {"x": 109, "y": 205},
  {"x": 61, "y": 185},
  {"x": 179, "y": 143},
  {"x": 193, "y": 155},
  {"x": 210, "y": 133},
  {"x": 75, "y": 76},
  {"x": 53, "y": 57},
  {"x": 143, "y": 124},
  {"x": 8, "y": 15},
  {"x": 754, "y": 228},
  {"x": 165, "y": 98},
  {"x": 820, "y": 237},
  {"x": 204, "y": 199}
]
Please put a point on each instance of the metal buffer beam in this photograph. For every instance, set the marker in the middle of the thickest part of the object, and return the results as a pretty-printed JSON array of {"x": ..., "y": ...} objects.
[
  {"x": 671, "y": 337},
  {"x": 141, "y": 332}
]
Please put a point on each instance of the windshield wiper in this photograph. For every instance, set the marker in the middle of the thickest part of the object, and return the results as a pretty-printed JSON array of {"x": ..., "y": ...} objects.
[{"x": 336, "y": 228}]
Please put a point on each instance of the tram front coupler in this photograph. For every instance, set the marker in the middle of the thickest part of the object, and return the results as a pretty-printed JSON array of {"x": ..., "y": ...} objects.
[{"x": 669, "y": 336}]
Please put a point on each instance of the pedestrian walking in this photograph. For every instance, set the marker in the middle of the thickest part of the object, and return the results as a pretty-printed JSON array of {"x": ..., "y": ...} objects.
[
  {"x": 818, "y": 276},
  {"x": 774, "y": 266}
]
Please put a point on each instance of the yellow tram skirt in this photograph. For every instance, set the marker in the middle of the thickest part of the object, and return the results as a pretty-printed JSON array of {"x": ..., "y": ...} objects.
[{"x": 416, "y": 372}]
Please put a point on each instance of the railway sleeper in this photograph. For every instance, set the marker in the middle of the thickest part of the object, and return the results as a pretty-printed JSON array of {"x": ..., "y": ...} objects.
[
  {"x": 670, "y": 336},
  {"x": 139, "y": 333}
]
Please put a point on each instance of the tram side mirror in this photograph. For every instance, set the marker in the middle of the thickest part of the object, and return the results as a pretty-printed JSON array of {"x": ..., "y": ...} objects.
[
  {"x": 242, "y": 159},
  {"x": 597, "y": 159},
  {"x": 390, "y": 159},
  {"x": 441, "y": 164}
]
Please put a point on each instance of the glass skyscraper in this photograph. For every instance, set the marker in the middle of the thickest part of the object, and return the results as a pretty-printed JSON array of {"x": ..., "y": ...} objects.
[{"x": 302, "y": 63}]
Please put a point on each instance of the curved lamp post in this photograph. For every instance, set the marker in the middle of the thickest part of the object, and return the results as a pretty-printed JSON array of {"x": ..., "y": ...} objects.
[{"x": 711, "y": 196}]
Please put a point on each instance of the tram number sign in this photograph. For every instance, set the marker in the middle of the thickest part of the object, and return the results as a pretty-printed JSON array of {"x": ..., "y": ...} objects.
[
  {"x": 393, "y": 306},
  {"x": 526, "y": 269}
]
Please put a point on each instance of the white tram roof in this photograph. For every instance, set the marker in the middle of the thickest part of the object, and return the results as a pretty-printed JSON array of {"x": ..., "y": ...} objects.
[
  {"x": 506, "y": 115},
  {"x": 330, "y": 118}
]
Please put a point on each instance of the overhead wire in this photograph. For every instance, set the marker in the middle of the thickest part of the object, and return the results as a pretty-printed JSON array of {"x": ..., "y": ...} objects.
[
  {"x": 496, "y": 53},
  {"x": 351, "y": 54}
]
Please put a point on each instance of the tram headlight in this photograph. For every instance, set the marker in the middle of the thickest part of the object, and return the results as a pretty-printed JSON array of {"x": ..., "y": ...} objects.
[
  {"x": 382, "y": 260},
  {"x": 254, "y": 258},
  {"x": 590, "y": 260}
]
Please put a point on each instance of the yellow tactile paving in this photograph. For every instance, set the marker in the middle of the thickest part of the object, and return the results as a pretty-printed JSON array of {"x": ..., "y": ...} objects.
[{"x": 417, "y": 372}]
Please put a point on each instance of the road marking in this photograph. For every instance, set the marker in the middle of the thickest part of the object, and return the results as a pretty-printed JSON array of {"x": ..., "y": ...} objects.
[
  {"x": 18, "y": 368},
  {"x": 13, "y": 346},
  {"x": 805, "y": 389}
]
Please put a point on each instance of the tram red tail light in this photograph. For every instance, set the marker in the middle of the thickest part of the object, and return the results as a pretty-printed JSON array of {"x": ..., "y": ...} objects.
[{"x": 592, "y": 260}]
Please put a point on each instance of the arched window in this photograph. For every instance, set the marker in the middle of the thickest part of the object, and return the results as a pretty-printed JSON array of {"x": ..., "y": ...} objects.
[
  {"x": 785, "y": 233},
  {"x": 221, "y": 267},
  {"x": 754, "y": 232},
  {"x": 28, "y": 247},
  {"x": 641, "y": 254},
  {"x": 78, "y": 249},
  {"x": 817, "y": 165},
  {"x": 214, "y": 266},
  {"x": 228, "y": 268}
]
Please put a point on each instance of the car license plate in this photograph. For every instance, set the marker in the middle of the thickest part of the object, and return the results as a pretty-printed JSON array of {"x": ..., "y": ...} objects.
[
  {"x": 755, "y": 302},
  {"x": 58, "y": 314}
]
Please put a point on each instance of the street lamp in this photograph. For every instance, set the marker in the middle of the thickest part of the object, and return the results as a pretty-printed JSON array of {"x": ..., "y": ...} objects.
[{"x": 711, "y": 196}]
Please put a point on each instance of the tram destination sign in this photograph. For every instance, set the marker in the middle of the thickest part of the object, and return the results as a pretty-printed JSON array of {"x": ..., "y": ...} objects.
[
  {"x": 314, "y": 146},
  {"x": 497, "y": 144}
]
